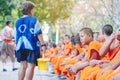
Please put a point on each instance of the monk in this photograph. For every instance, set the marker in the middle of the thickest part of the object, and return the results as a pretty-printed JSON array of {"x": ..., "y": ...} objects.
[
  {"x": 109, "y": 42},
  {"x": 116, "y": 49},
  {"x": 104, "y": 33},
  {"x": 66, "y": 50},
  {"x": 91, "y": 50}
]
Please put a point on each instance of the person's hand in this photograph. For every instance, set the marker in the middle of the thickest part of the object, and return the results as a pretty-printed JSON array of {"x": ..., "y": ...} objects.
[
  {"x": 68, "y": 67},
  {"x": 63, "y": 63},
  {"x": 103, "y": 72},
  {"x": 113, "y": 36},
  {"x": 43, "y": 48},
  {"x": 92, "y": 62},
  {"x": 103, "y": 63},
  {"x": 73, "y": 69}
]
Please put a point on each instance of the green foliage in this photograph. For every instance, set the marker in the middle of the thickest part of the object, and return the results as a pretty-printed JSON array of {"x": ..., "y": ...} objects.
[
  {"x": 51, "y": 10},
  {"x": 9, "y": 10},
  {"x": 5, "y": 7}
]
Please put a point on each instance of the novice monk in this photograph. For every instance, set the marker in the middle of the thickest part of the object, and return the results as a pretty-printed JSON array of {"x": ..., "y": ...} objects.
[
  {"x": 66, "y": 51},
  {"x": 92, "y": 48},
  {"x": 90, "y": 71},
  {"x": 115, "y": 45},
  {"x": 109, "y": 42},
  {"x": 76, "y": 50},
  {"x": 69, "y": 60},
  {"x": 107, "y": 72},
  {"x": 61, "y": 47}
]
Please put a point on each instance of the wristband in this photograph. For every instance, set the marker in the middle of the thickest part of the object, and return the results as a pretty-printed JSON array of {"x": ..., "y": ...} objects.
[{"x": 43, "y": 45}]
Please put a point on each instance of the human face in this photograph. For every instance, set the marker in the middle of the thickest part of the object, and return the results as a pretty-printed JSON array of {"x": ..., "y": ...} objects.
[
  {"x": 84, "y": 38},
  {"x": 118, "y": 34},
  {"x": 101, "y": 36},
  {"x": 74, "y": 52},
  {"x": 66, "y": 40},
  {"x": 10, "y": 24}
]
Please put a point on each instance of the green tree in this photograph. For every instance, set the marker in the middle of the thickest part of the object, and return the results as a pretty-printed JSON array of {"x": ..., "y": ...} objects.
[
  {"x": 51, "y": 10},
  {"x": 6, "y": 7},
  {"x": 9, "y": 10}
]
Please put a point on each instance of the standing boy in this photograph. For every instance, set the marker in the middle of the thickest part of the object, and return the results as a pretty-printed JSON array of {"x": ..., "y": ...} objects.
[{"x": 28, "y": 35}]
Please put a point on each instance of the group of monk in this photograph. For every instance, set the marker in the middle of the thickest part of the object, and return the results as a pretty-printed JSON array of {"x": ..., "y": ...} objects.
[{"x": 88, "y": 55}]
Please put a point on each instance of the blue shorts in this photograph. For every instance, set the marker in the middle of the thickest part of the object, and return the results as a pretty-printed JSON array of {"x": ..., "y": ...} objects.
[{"x": 27, "y": 55}]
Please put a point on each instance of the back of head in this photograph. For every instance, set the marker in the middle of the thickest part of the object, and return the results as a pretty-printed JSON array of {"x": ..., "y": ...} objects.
[
  {"x": 107, "y": 29},
  {"x": 66, "y": 39},
  {"x": 27, "y": 7},
  {"x": 118, "y": 33},
  {"x": 72, "y": 40},
  {"x": 67, "y": 36},
  {"x": 8, "y": 22}
]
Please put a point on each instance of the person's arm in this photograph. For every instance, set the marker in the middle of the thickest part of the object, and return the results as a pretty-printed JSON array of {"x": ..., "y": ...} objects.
[
  {"x": 40, "y": 37},
  {"x": 80, "y": 56},
  {"x": 78, "y": 66},
  {"x": 112, "y": 67},
  {"x": 106, "y": 46},
  {"x": 85, "y": 58},
  {"x": 38, "y": 33}
]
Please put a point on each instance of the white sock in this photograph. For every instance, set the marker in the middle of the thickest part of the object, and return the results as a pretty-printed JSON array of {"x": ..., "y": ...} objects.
[{"x": 4, "y": 67}]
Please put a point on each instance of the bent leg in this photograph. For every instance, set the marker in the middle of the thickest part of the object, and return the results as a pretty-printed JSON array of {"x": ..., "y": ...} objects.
[{"x": 116, "y": 77}]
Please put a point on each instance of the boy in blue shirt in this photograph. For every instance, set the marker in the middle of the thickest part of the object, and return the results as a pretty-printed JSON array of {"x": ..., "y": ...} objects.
[{"x": 28, "y": 35}]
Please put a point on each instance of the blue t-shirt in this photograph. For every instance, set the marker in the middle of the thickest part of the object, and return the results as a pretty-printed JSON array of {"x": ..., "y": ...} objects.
[{"x": 26, "y": 31}]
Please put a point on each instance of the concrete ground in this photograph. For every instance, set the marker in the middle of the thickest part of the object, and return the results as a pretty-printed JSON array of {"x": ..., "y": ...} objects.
[{"x": 39, "y": 75}]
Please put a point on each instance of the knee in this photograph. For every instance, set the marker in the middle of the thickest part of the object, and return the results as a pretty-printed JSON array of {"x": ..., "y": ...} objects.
[
  {"x": 31, "y": 66},
  {"x": 24, "y": 67},
  {"x": 114, "y": 78}
]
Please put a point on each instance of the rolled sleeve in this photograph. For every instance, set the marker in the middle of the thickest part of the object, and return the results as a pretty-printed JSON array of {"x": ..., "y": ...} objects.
[{"x": 37, "y": 29}]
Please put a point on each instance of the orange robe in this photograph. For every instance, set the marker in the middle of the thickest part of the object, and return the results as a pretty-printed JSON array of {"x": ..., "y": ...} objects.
[
  {"x": 60, "y": 59},
  {"x": 111, "y": 74},
  {"x": 94, "y": 45},
  {"x": 101, "y": 77},
  {"x": 92, "y": 71},
  {"x": 71, "y": 61}
]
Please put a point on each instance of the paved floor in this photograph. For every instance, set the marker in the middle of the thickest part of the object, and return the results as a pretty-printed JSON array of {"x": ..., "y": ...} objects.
[{"x": 39, "y": 75}]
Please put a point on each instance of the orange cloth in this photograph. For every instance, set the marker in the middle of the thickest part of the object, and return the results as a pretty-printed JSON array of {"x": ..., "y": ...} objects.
[
  {"x": 53, "y": 60},
  {"x": 111, "y": 74},
  {"x": 57, "y": 65},
  {"x": 94, "y": 45},
  {"x": 91, "y": 72},
  {"x": 71, "y": 61},
  {"x": 100, "y": 77},
  {"x": 60, "y": 59},
  {"x": 114, "y": 52}
]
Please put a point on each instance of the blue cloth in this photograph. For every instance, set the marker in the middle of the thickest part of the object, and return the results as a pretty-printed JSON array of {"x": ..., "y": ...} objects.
[{"x": 26, "y": 31}]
